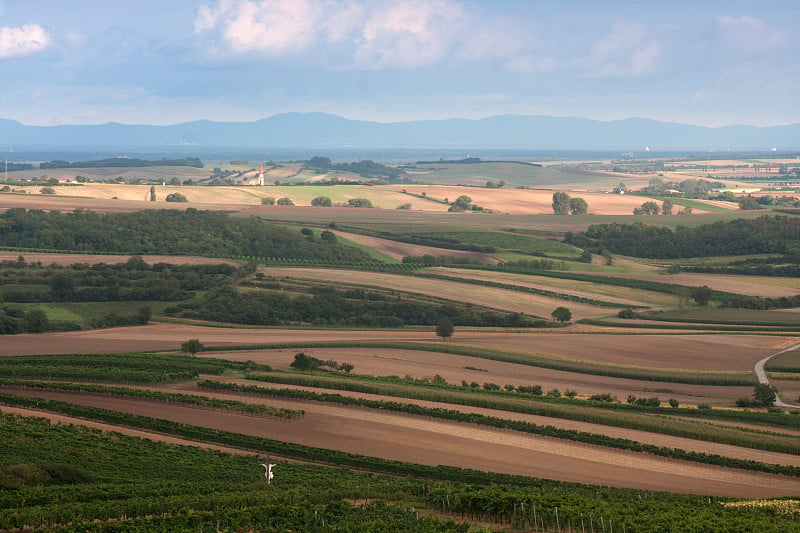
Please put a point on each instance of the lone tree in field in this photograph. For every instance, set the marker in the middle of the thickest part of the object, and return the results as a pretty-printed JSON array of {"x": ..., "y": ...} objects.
[
  {"x": 666, "y": 207},
  {"x": 321, "y": 201},
  {"x": 562, "y": 314},
  {"x": 578, "y": 206},
  {"x": 702, "y": 295},
  {"x": 191, "y": 346},
  {"x": 444, "y": 328},
  {"x": 560, "y": 203},
  {"x": 764, "y": 394}
]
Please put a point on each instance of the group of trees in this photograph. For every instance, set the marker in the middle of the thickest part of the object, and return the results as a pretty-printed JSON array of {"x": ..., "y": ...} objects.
[
  {"x": 366, "y": 168},
  {"x": 563, "y": 204},
  {"x": 303, "y": 361},
  {"x": 169, "y": 232},
  {"x": 124, "y": 162},
  {"x": 763, "y": 235},
  {"x": 652, "y": 208}
]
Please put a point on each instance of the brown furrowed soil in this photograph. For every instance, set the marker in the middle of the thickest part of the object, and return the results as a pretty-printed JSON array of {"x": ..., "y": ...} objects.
[
  {"x": 457, "y": 368},
  {"x": 695, "y": 352},
  {"x": 431, "y": 441},
  {"x": 503, "y": 299}
]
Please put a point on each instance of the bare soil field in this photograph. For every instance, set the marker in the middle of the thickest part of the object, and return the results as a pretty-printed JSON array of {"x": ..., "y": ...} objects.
[
  {"x": 430, "y": 441},
  {"x": 529, "y": 201},
  {"x": 503, "y": 299},
  {"x": 399, "y": 250},
  {"x": 91, "y": 259},
  {"x": 695, "y": 352},
  {"x": 751, "y": 285},
  {"x": 457, "y": 368},
  {"x": 616, "y": 432}
]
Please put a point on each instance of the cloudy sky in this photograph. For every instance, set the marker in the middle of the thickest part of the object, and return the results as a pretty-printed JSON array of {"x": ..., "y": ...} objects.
[{"x": 707, "y": 62}]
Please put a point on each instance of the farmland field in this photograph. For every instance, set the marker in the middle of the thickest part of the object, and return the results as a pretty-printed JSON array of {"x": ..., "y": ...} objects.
[{"x": 627, "y": 405}]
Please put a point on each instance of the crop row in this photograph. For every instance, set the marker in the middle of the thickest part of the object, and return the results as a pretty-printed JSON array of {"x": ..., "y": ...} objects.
[
  {"x": 516, "y": 425},
  {"x": 651, "y": 419},
  {"x": 524, "y": 358},
  {"x": 168, "y": 397}
]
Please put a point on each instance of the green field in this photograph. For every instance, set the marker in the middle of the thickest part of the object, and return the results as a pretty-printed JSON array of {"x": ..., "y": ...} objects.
[
  {"x": 509, "y": 241},
  {"x": 729, "y": 316},
  {"x": 513, "y": 173}
]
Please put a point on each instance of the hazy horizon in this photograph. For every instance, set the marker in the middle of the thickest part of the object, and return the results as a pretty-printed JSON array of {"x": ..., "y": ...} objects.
[{"x": 166, "y": 62}]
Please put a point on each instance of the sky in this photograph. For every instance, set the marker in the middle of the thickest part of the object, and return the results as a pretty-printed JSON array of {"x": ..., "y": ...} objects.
[{"x": 703, "y": 62}]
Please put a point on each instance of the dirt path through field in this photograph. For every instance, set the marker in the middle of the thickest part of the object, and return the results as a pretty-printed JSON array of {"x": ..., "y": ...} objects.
[
  {"x": 434, "y": 442},
  {"x": 761, "y": 373}
]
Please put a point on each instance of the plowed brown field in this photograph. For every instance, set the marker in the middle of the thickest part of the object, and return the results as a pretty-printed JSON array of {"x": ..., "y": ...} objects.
[{"x": 430, "y": 441}]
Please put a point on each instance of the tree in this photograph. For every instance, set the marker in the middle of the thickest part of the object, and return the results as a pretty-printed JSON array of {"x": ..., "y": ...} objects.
[
  {"x": 328, "y": 236},
  {"x": 666, "y": 207},
  {"x": 562, "y": 314},
  {"x": 359, "y": 202},
  {"x": 346, "y": 368},
  {"x": 191, "y": 346},
  {"x": 462, "y": 203},
  {"x": 649, "y": 208},
  {"x": 152, "y": 193},
  {"x": 560, "y": 203},
  {"x": 143, "y": 314},
  {"x": 578, "y": 206},
  {"x": 268, "y": 200},
  {"x": 285, "y": 201},
  {"x": 321, "y": 201},
  {"x": 764, "y": 394},
  {"x": 444, "y": 328},
  {"x": 701, "y": 295},
  {"x": 404, "y": 206},
  {"x": 305, "y": 362},
  {"x": 47, "y": 190},
  {"x": 748, "y": 202},
  {"x": 62, "y": 287},
  {"x": 176, "y": 197},
  {"x": 37, "y": 320}
]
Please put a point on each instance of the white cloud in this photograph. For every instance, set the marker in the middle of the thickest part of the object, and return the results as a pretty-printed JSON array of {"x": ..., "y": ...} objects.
[
  {"x": 27, "y": 40},
  {"x": 347, "y": 34},
  {"x": 628, "y": 51},
  {"x": 748, "y": 33}
]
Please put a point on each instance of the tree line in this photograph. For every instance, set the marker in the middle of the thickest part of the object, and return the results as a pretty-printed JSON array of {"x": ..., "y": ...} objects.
[
  {"x": 763, "y": 235},
  {"x": 167, "y": 232}
]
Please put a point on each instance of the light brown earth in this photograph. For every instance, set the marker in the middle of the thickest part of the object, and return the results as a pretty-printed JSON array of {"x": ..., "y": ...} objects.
[
  {"x": 434, "y": 442},
  {"x": 457, "y": 368},
  {"x": 697, "y": 352},
  {"x": 503, "y": 299}
]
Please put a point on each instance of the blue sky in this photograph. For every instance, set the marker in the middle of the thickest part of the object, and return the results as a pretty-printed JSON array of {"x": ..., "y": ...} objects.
[{"x": 707, "y": 62}]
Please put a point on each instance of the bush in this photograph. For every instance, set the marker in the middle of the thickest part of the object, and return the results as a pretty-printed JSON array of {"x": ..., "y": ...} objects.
[
  {"x": 321, "y": 201},
  {"x": 47, "y": 190},
  {"x": 176, "y": 197},
  {"x": 268, "y": 200},
  {"x": 285, "y": 201},
  {"x": 627, "y": 313},
  {"x": 359, "y": 202}
]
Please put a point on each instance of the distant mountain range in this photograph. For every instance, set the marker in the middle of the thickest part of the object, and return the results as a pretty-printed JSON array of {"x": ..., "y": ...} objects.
[{"x": 321, "y": 130}]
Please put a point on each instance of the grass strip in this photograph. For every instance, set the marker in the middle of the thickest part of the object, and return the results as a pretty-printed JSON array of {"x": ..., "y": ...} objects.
[
  {"x": 169, "y": 397},
  {"x": 527, "y": 358},
  {"x": 516, "y": 425}
]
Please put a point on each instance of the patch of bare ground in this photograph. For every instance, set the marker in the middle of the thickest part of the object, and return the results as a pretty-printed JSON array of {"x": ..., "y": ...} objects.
[
  {"x": 696, "y": 352},
  {"x": 91, "y": 259},
  {"x": 730, "y": 283},
  {"x": 456, "y": 368},
  {"x": 496, "y": 298},
  {"x": 622, "y": 433},
  {"x": 399, "y": 250},
  {"x": 435, "y": 442}
]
